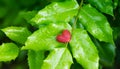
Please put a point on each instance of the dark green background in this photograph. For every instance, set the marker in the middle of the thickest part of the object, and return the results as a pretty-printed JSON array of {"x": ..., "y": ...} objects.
[{"x": 12, "y": 14}]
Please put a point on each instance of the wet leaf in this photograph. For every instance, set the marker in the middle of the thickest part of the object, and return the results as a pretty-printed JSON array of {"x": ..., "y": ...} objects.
[
  {"x": 8, "y": 51},
  {"x": 96, "y": 23},
  {"x": 59, "y": 58},
  {"x": 84, "y": 50}
]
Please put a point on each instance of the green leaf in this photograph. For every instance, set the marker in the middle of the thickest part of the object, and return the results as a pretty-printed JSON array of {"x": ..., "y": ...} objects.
[
  {"x": 28, "y": 15},
  {"x": 17, "y": 34},
  {"x": 8, "y": 51},
  {"x": 96, "y": 23},
  {"x": 83, "y": 49},
  {"x": 35, "y": 59},
  {"x": 105, "y": 6},
  {"x": 106, "y": 53},
  {"x": 45, "y": 37},
  {"x": 56, "y": 12},
  {"x": 59, "y": 58}
]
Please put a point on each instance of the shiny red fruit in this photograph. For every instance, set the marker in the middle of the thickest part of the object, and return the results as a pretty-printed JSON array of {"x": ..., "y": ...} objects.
[{"x": 64, "y": 37}]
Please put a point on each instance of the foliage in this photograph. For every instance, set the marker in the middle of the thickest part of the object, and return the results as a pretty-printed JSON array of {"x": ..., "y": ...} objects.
[
  {"x": 29, "y": 30},
  {"x": 6, "y": 53}
]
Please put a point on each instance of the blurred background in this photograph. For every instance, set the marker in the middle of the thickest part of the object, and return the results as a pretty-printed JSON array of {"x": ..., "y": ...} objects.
[{"x": 14, "y": 13}]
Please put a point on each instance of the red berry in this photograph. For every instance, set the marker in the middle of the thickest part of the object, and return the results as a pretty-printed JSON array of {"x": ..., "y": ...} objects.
[{"x": 64, "y": 37}]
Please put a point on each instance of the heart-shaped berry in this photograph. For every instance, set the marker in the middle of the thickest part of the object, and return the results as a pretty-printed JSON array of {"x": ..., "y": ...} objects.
[{"x": 64, "y": 37}]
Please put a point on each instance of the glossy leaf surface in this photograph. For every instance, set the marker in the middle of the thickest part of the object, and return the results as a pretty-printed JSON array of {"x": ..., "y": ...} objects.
[
  {"x": 96, "y": 23},
  {"x": 35, "y": 59},
  {"x": 56, "y": 12},
  {"x": 45, "y": 37},
  {"x": 105, "y": 6},
  {"x": 83, "y": 49},
  {"x": 59, "y": 58},
  {"x": 17, "y": 34},
  {"x": 8, "y": 51}
]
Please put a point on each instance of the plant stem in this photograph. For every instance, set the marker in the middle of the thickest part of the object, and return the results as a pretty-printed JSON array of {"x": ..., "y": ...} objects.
[
  {"x": 66, "y": 45},
  {"x": 76, "y": 19}
]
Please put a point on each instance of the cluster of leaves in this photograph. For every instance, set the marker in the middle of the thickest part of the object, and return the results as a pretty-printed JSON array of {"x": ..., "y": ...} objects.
[{"x": 92, "y": 43}]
